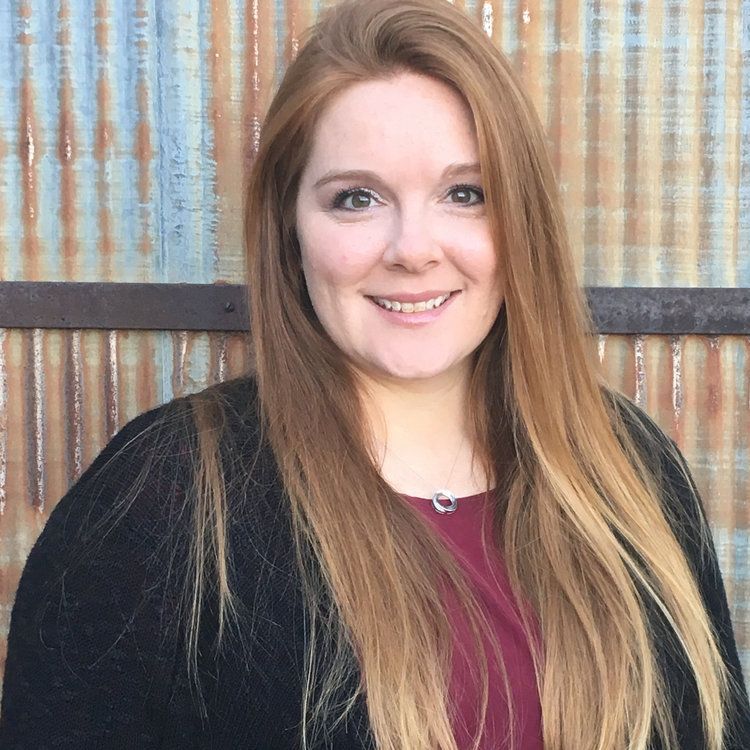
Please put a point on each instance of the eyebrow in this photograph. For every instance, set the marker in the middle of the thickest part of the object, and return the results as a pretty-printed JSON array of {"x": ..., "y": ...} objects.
[{"x": 450, "y": 172}]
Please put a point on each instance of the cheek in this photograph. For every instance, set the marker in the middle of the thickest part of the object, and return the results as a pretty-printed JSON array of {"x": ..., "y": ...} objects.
[
  {"x": 337, "y": 256},
  {"x": 476, "y": 256}
]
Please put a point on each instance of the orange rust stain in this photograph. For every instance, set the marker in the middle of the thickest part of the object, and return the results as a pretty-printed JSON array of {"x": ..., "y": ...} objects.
[
  {"x": 298, "y": 19},
  {"x": 531, "y": 53},
  {"x": 258, "y": 72},
  {"x": 227, "y": 140},
  {"x": 27, "y": 151},
  {"x": 145, "y": 244},
  {"x": 629, "y": 378},
  {"x": 677, "y": 381},
  {"x": 251, "y": 82},
  {"x": 3, "y": 153},
  {"x": 73, "y": 396},
  {"x": 103, "y": 141},
  {"x": 33, "y": 354},
  {"x": 713, "y": 397},
  {"x": 112, "y": 382},
  {"x": 106, "y": 243},
  {"x": 144, "y": 151},
  {"x": 101, "y": 27},
  {"x": 66, "y": 150},
  {"x": 103, "y": 138},
  {"x": 743, "y": 436},
  {"x": 220, "y": 73},
  {"x": 146, "y": 379},
  {"x": 66, "y": 155}
]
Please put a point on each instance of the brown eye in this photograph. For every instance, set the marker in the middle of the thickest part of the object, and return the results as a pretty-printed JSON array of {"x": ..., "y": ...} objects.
[
  {"x": 361, "y": 200},
  {"x": 354, "y": 200},
  {"x": 467, "y": 195}
]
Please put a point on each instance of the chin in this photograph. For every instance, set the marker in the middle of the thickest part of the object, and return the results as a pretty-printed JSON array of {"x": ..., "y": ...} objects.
[{"x": 411, "y": 370}]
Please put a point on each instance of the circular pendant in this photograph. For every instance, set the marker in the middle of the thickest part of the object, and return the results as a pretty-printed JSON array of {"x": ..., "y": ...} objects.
[{"x": 447, "y": 495}]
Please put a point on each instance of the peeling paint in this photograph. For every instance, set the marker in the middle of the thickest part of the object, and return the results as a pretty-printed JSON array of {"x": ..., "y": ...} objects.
[{"x": 488, "y": 19}]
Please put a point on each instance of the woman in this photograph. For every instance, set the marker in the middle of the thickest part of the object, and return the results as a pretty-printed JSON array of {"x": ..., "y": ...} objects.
[{"x": 424, "y": 522}]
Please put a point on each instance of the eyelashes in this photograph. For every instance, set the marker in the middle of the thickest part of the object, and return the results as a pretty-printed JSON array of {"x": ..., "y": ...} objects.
[{"x": 349, "y": 192}]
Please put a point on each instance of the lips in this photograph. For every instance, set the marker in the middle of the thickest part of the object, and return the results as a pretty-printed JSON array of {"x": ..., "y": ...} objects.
[
  {"x": 395, "y": 296},
  {"x": 411, "y": 307},
  {"x": 424, "y": 310}
]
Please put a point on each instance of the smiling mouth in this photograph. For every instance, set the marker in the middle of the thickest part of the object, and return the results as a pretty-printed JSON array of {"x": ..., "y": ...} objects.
[{"x": 412, "y": 307}]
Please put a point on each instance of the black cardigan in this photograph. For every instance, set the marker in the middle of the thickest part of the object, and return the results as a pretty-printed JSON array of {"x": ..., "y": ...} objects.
[{"x": 95, "y": 659}]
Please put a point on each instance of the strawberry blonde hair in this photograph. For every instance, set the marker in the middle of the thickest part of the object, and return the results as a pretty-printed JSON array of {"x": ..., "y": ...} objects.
[{"x": 579, "y": 517}]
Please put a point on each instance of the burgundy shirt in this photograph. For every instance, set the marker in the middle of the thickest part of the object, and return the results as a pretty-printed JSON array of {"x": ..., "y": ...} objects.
[{"x": 462, "y": 532}]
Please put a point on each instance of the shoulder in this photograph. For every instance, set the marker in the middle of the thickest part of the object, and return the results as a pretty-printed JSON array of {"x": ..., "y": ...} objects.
[
  {"x": 128, "y": 521},
  {"x": 97, "y": 618},
  {"x": 681, "y": 501},
  {"x": 655, "y": 447},
  {"x": 685, "y": 512},
  {"x": 139, "y": 485}
]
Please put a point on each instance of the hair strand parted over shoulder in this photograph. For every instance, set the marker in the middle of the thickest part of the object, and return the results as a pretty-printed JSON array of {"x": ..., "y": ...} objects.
[{"x": 579, "y": 518}]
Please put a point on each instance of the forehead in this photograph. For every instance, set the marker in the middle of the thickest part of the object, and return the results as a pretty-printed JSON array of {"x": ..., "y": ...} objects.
[{"x": 383, "y": 123}]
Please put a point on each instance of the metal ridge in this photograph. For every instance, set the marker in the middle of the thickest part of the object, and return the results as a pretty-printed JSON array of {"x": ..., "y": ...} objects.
[{"x": 222, "y": 307}]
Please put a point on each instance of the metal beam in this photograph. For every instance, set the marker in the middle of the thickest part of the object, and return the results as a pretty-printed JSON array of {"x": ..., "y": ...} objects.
[
  {"x": 670, "y": 310},
  {"x": 222, "y": 307},
  {"x": 177, "y": 307}
]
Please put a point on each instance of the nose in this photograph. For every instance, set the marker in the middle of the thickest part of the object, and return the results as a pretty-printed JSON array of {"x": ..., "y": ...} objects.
[{"x": 412, "y": 245}]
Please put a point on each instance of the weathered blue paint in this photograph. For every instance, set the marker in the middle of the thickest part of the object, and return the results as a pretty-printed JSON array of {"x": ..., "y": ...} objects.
[
  {"x": 712, "y": 267},
  {"x": 10, "y": 163},
  {"x": 674, "y": 101},
  {"x": 743, "y": 260}
]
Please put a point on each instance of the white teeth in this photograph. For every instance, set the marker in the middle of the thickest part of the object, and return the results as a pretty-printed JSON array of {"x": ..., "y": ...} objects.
[{"x": 409, "y": 307}]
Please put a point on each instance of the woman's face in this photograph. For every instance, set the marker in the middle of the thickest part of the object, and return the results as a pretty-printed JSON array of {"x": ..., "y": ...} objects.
[{"x": 396, "y": 248}]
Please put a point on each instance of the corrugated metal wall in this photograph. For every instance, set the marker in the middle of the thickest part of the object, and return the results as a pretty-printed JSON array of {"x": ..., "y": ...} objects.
[{"x": 125, "y": 128}]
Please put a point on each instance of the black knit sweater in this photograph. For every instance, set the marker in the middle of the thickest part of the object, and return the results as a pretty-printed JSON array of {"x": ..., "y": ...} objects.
[{"x": 96, "y": 657}]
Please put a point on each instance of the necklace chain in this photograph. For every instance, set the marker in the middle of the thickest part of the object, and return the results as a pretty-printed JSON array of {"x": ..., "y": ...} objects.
[{"x": 443, "y": 492}]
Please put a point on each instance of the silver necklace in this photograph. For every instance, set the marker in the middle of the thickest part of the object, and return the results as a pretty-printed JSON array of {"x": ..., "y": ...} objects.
[{"x": 443, "y": 493}]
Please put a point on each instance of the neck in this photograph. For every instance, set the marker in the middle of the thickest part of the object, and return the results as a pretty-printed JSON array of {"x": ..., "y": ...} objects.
[{"x": 421, "y": 433}]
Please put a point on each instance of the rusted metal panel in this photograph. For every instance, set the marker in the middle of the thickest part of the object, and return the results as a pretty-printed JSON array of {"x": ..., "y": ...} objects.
[
  {"x": 698, "y": 389},
  {"x": 63, "y": 395},
  {"x": 125, "y": 133}
]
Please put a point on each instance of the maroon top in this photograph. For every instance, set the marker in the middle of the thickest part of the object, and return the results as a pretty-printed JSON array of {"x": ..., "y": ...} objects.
[{"x": 461, "y": 529}]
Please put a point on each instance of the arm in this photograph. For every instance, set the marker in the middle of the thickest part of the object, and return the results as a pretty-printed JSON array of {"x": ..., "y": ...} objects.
[
  {"x": 686, "y": 513},
  {"x": 690, "y": 517},
  {"x": 89, "y": 656}
]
